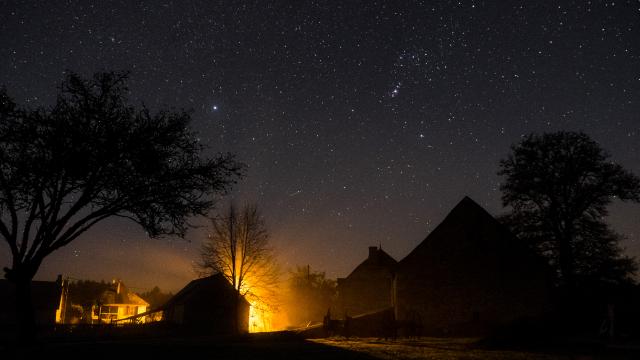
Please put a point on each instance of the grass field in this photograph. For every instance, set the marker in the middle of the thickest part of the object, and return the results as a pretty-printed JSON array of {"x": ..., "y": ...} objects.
[{"x": 290, "y": 346}]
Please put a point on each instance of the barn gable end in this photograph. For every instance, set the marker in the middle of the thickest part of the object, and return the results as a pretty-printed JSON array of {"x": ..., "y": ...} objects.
[{"x": 470, "y": 275}]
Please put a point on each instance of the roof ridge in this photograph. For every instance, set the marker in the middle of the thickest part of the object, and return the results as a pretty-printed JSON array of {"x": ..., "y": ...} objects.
[{"x": 461, "y": 209}]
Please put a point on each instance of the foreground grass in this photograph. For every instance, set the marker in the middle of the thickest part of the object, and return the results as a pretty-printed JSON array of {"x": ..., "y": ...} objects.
[
  {"x": 447, "y": 348},
  {"x": 262, "y": 346},
  {"x": 287, "y": 345}
]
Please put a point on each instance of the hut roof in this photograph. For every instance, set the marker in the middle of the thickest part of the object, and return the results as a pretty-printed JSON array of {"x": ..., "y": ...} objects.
[{"x": 216, "y": 281}]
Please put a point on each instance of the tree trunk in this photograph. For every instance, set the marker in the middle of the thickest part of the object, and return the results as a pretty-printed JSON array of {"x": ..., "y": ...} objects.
[
  {"x": 567, "y": 305},
  {"x": 24, "y": 310},
  {"x": 566, "y": 264},
  {"x": 236, "y": 313}
]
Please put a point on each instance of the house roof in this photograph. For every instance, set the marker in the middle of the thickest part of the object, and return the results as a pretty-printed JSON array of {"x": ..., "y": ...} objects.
[
  {"x": 120, "y": 294},
  {"x": 133, "y": 298},
  {"x": 378, "y": 258}
]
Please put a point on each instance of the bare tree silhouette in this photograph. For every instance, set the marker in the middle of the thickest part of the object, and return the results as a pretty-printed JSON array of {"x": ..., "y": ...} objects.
[
  {"x": 90, "y": 157},
  {"x": 238, "y": 247}
]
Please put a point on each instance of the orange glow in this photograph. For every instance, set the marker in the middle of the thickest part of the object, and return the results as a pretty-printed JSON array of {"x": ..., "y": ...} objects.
[
  {"x": 260, "y": 312},
  {"x": 262, "y": 299},
  {"x": 259, "y": 319}
]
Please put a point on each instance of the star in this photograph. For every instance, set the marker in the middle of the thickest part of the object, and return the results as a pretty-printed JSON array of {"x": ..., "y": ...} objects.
[
  {"x": 318, "y": 107},
  {"x": 396, "y": 90}
]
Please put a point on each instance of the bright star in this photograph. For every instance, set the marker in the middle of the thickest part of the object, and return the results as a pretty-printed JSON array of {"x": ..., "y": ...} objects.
[{"x": 396, "y": 89}]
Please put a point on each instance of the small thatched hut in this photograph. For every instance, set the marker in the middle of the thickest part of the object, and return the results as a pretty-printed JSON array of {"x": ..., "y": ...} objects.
[{"x": 208, "y": 306}]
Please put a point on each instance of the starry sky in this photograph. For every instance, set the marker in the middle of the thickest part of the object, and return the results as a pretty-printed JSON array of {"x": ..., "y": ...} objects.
[{"x": 361, "y": 122}]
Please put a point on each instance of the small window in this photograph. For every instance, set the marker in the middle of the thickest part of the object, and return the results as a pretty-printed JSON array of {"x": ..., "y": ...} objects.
[{"x": 109, "y": 310}]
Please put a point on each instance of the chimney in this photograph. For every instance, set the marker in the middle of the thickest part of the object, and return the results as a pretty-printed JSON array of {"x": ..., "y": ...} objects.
[{"x": 373, "y": 250}]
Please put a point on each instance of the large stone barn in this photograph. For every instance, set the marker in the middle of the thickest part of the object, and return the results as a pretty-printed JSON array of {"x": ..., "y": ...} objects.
[
  {"x": 469, "y": 276},
  {"x": 369, "y": 286},
  {"x": 208, "y": 306}
]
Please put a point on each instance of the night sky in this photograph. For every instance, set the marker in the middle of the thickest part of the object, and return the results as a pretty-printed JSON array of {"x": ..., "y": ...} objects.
[{"x": 362, "y": 122}]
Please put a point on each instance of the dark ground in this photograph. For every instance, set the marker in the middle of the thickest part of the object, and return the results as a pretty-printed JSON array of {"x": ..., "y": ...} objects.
[
  {"x": 279, "y": 346},
  {"x": 290, "y": 346}
]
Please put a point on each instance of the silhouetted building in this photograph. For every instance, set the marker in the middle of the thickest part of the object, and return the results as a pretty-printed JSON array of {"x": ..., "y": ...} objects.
[
  {"x": 470, "y": 276},
  {"x": 369, "y": 286},
  {"x": 45, "y": 297},
  {"x": 207, "y": 306}
]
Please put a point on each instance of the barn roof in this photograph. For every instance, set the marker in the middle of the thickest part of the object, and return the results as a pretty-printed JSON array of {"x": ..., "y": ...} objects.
[{"x": 468, "y": 225}]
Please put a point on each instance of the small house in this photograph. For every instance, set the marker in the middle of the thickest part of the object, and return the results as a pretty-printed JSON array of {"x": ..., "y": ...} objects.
[{"x": 117, "y": 302}]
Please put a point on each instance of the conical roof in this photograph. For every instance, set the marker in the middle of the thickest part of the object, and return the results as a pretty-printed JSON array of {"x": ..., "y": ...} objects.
[{"x": 468, "y": 225}]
